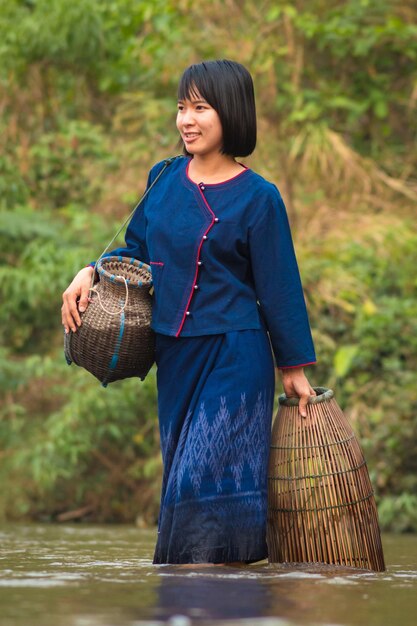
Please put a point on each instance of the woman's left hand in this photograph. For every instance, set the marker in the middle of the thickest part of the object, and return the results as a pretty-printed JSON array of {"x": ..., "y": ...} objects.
[{"x": 295, "y": 383}]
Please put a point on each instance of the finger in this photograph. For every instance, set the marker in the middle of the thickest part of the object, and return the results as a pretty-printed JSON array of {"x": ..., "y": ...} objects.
[
  {"x": 72, "y": 315},
  {"x": 288, "y": 389},
  {"x": 83, "y": 303},
  {"x": 67, "y": 320},
  {"x": 302, "y": 406},
  {"x": 64, "y": 320},
  {"x": 73, "y": 309},
  {"x": 69, "y": 324}
]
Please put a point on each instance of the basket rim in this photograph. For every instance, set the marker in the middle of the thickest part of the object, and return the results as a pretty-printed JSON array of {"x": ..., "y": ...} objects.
[
  {"x": 323, "y": 395},
  {"x": 128, "y": 261}
]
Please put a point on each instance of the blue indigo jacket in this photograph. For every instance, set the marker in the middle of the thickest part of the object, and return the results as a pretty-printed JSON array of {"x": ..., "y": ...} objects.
[{"x": 222, "y": 259}]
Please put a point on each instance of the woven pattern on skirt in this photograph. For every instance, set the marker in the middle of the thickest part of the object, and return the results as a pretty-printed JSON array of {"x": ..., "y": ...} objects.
[{"x": 215, "y": 400}]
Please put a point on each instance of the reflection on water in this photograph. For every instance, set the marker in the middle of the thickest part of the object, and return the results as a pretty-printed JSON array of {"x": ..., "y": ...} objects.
[
  {"x": 82, "y": 575},
  {"x": 206, "y": 597}
]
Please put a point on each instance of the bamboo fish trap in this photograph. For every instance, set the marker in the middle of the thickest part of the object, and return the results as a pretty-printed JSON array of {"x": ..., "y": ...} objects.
[{"x": 321, "y": 507}]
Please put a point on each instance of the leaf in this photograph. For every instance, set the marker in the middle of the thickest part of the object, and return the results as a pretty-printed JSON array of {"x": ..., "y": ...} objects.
[
  {"x": 381, "y": 109},
  {"x": 344, "y": 358},
  {"x": 369, "y": 307}
]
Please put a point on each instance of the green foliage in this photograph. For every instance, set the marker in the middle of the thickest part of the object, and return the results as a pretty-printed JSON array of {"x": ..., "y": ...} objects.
[
  {"x": 399, "y": 513},
  {"x": 61, "y": 164},
  {"x": 13, "y": 189},
  {"x": 87, "y": 98},
  {"x": 359, "y": 45},
  {"x": 45, "y": 254},
  {"x": 71, "y": 34},
  {"x": 344, "y": 359},
  {"x": 88, "y": 444},
  {"x": 365, "y": 315}
]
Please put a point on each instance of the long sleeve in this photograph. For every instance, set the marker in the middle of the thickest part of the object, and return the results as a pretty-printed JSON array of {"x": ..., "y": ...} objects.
[{"x": 278, "y": 285}]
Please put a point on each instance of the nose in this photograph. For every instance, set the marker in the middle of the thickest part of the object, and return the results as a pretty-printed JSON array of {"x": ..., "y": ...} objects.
[{"x": 187, "y": 117}]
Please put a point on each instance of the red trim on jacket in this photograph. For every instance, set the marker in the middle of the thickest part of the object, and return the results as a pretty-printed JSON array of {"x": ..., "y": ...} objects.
[
  {"x": 213, "y": 217},
  {"x": 289, "y": 367}
]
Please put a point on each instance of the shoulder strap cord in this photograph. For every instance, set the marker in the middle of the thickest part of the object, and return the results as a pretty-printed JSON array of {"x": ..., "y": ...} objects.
[{"x": 167, "y": 162}]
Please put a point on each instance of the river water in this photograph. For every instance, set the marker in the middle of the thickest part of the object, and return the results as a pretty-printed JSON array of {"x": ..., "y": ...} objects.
[{"x": 95, "y": 575}]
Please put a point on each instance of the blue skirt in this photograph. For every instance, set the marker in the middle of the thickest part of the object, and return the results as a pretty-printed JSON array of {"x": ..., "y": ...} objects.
[{"x": 215, "y": 400}]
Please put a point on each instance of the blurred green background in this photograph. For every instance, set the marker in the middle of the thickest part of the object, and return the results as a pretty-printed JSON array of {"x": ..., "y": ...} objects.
[{"x": 87, "y": 105}]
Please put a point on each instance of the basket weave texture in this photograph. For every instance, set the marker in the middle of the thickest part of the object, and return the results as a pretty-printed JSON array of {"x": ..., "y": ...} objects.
[
  {"x": 321, "y": 507},
  {"x": 115, "y": 340}
]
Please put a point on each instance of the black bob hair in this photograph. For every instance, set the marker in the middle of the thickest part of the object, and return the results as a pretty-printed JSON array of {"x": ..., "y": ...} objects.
[{"x": 227, "y": 87}]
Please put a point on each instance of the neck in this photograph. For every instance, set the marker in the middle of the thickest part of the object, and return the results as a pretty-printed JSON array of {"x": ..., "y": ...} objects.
[{"x": 212, "y": 167}]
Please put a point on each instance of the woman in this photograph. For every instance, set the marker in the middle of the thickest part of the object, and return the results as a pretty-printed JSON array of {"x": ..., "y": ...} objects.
[{"x": 227, "y": 288}]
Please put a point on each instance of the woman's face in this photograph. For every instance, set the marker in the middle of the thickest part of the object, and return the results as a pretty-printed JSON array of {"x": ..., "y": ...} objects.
[{"x": 199, "y": 126}]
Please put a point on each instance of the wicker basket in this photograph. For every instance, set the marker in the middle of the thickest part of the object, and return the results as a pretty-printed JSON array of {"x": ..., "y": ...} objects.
[
  {"x": 115, "y": 340},
  {"x": 321, "y": 507}
]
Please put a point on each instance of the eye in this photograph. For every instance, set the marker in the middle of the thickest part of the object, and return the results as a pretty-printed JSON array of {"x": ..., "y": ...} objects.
[
  {"x": 200, "y": 107},
  {"x": 180, "y": 107}
]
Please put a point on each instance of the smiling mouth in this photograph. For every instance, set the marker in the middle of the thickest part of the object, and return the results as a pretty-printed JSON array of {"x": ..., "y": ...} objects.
[{"x": 190, "y": 136}]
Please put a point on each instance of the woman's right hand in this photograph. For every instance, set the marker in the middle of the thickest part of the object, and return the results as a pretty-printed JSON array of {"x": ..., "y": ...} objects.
[{"x": 75, "y": 299}]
